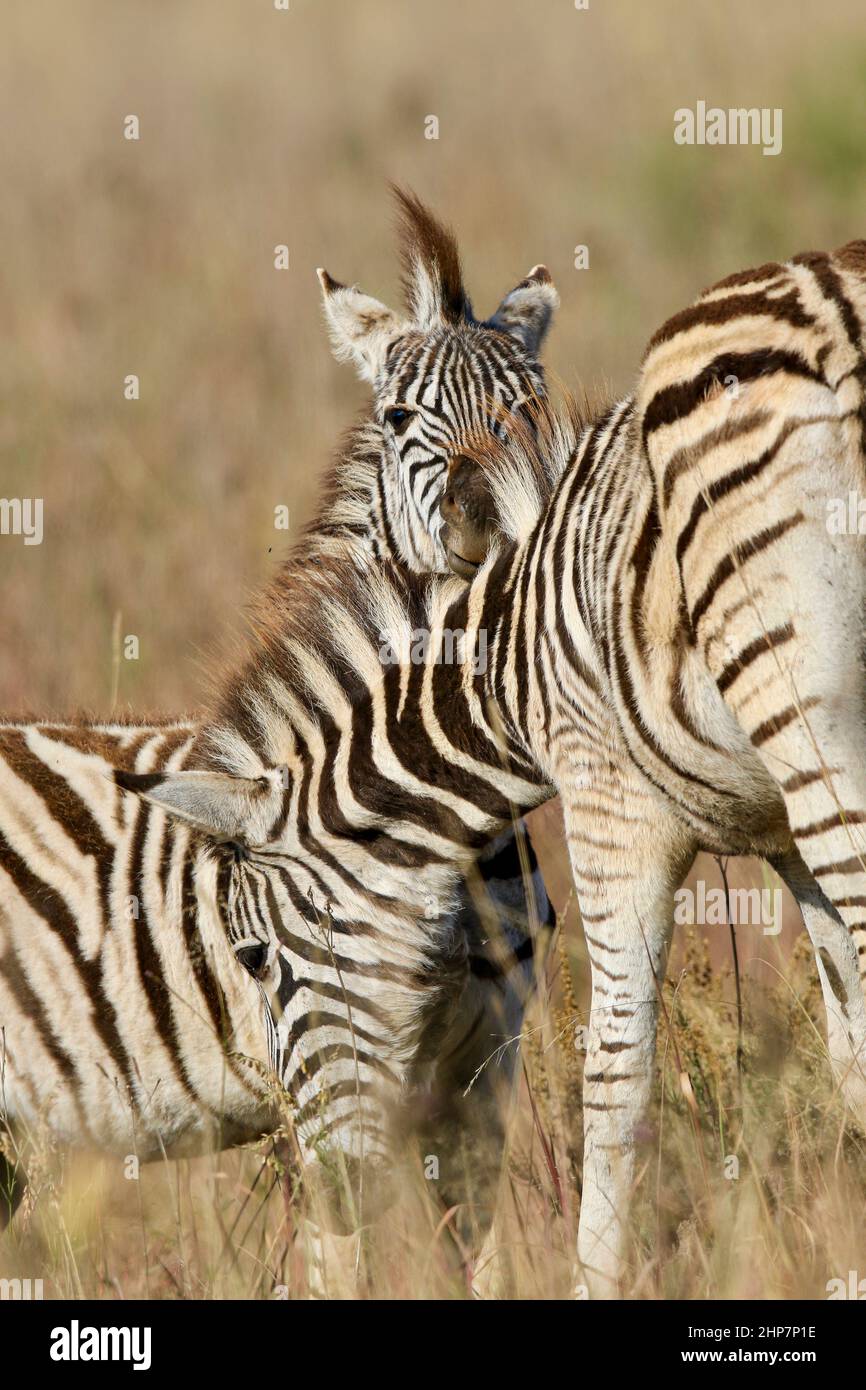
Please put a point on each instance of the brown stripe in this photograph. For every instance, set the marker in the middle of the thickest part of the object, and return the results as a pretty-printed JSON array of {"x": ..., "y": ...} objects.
[
  {"x": 839, "y": 819},
  {"x": 770, "y": 270},
  {"x": 738, "y": 477},
  {"x": 31, "y": 1005},
  {"x": 675, "y": 402},
  {"x": 601, "y": 1078},
  {"x": 70, "y": 812},
  {"x": 799, "y": 780},
  {"x": 767, "y": 642},
  {"x": 831, "y": 286},
  {"x": 764, "y": 732},
  {"x": 713, "y": 312},
  {"x": 854, "y": 865},
  {"x": 150, "y": 973},
  {"x": 852, "y": 257},
  {"x": 743, "y": 552},
  {"x": 690, "y": 454},
  {"x": 48, "y": 904}
]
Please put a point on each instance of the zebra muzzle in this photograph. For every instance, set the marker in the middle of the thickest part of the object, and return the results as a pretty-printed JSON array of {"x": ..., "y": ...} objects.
[{"x": 467, "y": 515}]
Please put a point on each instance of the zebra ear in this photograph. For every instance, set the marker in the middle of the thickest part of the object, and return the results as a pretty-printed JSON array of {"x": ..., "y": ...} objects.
[
  {"x": 361, "y": 328},
  {"x": 220, "y": 805},
  {"x": 526, "y": 312}
]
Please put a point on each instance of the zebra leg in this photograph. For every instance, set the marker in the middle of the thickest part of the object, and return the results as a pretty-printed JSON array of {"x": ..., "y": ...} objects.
[
  {"x": 470, "y": 1094},
  {"x": 506, "y": 914},
  {"x": 333, "y": 1263},
  {"x": 788, "y": 665},
  {"x": 779, "y": 622},
  {"x": 836, "y": 959},
  {"x": 629, "y": 855},
  {"x": 815, "y": 748}
]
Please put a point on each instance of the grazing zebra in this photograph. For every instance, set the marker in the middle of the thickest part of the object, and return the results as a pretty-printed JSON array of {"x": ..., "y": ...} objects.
[
  {"x": 120, "y": 1001},
  {"x": 130, "y": 910},
  {"x": 340, "y": 831},
  {"x": 125, "y": 1023},
  {"x": 680, "y": 642}
]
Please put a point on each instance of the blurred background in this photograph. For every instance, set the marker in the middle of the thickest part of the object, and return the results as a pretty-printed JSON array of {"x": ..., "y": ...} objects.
[
  {"x": 261, "y": 127},
  {"x": 155, "y": 257}
]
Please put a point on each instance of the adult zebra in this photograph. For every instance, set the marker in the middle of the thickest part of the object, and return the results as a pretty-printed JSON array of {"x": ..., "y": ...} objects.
[
  {"x": 127, "y": 913},
  {"x": 681, "y": 645}
]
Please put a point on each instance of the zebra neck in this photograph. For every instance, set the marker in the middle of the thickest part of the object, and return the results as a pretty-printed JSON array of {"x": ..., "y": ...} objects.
[
  {"x": 373, "y": 741},
  {"x": 352, "y": 517}
]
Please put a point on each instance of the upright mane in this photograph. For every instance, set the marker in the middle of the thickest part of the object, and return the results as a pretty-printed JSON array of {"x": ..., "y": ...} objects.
[
  {"x": 326, "y": 608},
  {"x": 429, "y": 257}
]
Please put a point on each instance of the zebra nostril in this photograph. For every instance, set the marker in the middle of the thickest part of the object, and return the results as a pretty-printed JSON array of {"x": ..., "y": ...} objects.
[{"x": 450, "y": 507}]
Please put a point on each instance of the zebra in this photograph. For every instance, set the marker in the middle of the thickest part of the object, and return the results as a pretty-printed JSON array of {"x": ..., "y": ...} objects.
[
  {"x": 343, "y": 832},
  {"x": 125, "y": 1023},
  {"x": 180, "y": 1086},
  {"x": 440, "y": 377},
  {"x": 117, "y": 984},
  {"x": 680, "y": 643}
]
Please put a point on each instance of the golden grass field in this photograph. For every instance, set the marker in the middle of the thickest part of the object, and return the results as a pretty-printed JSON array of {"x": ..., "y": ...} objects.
[{"x": 156, "y": 257}]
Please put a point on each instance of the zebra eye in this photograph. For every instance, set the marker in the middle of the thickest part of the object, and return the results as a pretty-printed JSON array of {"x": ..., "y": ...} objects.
[
  {"x": 253, "y": 958},
  {"x": 398, "y": 417}
]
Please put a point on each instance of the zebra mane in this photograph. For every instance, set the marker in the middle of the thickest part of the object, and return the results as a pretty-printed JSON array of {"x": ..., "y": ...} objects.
[
  {"x": 321, "y": 621},
  {"x": 332, "y": 603},
  {"x": 523, "y": 468},
  {"x": 348, "y": 490},
  {"x": 432, "y": 276}
]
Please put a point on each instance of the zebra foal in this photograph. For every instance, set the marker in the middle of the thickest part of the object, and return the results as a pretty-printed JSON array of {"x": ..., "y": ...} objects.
[{"x": 132, "y": 913}]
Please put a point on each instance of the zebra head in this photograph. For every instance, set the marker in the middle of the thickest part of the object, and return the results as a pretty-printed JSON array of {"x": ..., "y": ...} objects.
[
  {"x": 500, "y": 490},
  {"x": 441, "y": 378},
  {"x": 355, "y": 993}
]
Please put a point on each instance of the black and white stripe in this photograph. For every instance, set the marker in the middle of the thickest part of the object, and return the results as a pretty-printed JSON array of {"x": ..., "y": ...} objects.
[
  {"x": 137, "y": 929},
  {"x": 679, "y": 643}
]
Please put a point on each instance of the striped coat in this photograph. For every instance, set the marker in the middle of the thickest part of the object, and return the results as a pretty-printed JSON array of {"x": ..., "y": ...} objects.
[
  {"x": 679, "y": 642},
  {"x": 126, "y": 1021},
  {"x": 120, "y": 1000}
]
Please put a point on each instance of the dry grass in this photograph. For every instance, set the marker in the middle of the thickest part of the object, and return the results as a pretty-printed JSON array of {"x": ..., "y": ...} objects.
[
  {"x": 751, "y": 1185},
  {"x": 156, "y": 258}
]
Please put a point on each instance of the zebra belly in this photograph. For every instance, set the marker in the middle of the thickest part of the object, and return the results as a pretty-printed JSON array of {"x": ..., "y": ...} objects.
[{"x": 704, "y": 764}]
